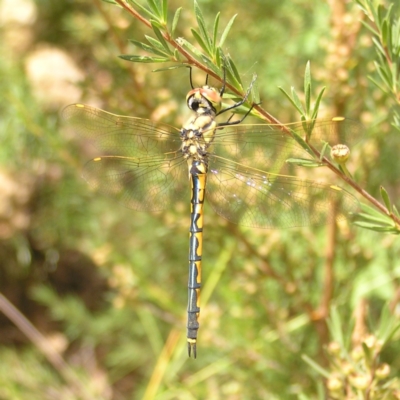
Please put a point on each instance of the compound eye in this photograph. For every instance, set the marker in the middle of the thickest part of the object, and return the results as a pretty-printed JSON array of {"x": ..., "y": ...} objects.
[{"x": 193, "y": 103}]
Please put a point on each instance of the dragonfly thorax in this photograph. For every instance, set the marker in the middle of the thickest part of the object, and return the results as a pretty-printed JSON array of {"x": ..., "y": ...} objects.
[{"x": 197, "y": 135}]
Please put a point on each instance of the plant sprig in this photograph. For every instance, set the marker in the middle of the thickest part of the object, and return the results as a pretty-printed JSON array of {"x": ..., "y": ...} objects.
[
  {"x": 355, "y": 368},
  {"x": 165, "y": 47},
  {"x": 207, "y": 55},
  {"x": 385, "y": 28}
]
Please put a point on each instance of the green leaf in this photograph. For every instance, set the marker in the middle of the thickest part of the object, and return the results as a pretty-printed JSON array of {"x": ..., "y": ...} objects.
[
  {"x": 372, "y": 211},
  {"x": 299, "y": 109},
  {"x": 308, "y": 127},
  {"x": 157, "y": 24},
  {"x": 308, "y": 100},
  {"x": 143, "y": 59},
  {"x": 335, "y": 327},
  {"x": 210, "y": 64},
  {"x": 385, "y": 32},
  {"x": 233, "y": 73},
  {"x": 385, "y": 198},
  {"x": 143, "y": 9},
  {"x": 380, "y": 15},
  {"x": 322, "y": 371},
  {"x": 376, "y": 228},
  {"x": 157, "y": 45},
  {"x": 155, "y": 8},
  {"x": 374, "y": 14},
  {"x": 380, "y": 219},
  {"x": 388, "y": 325},
  {"x": 164, "y": 8},
  {"x": 175, "y": 21},
  {"x": 395, "y": 39},
  {"x": 202, "y": 26},
  {"x": 183, "y": 42},
  {"x": 303, "y": 162},
  {"x": 156, "y": 28},
  {"x": 317, "y": 103},
  {"x": 368, "y": 353},
  {"x": 297, "y": 101},
  {"x": 215, "y": 31},
  {"x": 384, "y": 90},
  {"x": 383, "y": 75},
  {"x": 378, "y": 47},
  {"x": 307, "y": 88},
  {"x": 148, "y": 48},
  {"x": 323, "y": 151},
  {"x": 372, "y": 219},
  {"x": 170, "y": 68},
  {"x": 218, "y": 57},
  {"x": 361, "y": 5},
  {"x": 370, "y": 28},
  {"x": 226, "y": 31},
  {"x": 301, "y": 141},
  {"x": 200, "y": 40}
]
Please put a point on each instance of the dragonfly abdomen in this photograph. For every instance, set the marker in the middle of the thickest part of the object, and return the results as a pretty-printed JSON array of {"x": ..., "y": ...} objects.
[{"x": 198, "y": 176}]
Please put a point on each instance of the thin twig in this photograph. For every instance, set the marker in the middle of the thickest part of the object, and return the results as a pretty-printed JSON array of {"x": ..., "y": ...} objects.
[{"x": 54, "y": 358}]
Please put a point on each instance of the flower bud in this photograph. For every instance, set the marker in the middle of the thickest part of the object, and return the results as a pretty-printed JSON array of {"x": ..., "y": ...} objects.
[
  {"x": 370, "y": 341},
  {"x": 333, "y": 348},
  {"x": 346, "y": 367},
  {"x": 383, "y": 371},
  {"x": 360, "y": 382},
  {"x": 340, "y": 153},
  {"x": 334, "y": 384},
  {"x": 357, "y": 353}
]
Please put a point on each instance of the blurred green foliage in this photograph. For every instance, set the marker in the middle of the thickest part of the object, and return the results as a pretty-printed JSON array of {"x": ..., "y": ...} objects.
[{"x": 106, "y": 285}]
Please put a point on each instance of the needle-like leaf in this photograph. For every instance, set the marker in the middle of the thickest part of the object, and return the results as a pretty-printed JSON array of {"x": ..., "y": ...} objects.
[
  {"x": 226, "y": 31},
  {"x": 215, "y": 31},
  {"x": 150, "y": 49},
  {"x": 175, "y": 21},
  {"x": 307, "y": 89},
  {"x": 202, "y": 26},
  {"x": 143, "y": 59}
]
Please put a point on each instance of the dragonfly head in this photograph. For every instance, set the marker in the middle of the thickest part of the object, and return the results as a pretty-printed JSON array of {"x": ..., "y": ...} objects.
[{"x": 204, "y": 100}]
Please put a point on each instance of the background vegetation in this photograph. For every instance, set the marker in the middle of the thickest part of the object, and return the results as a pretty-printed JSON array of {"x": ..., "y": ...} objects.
[{"x": 286, "y": 314}]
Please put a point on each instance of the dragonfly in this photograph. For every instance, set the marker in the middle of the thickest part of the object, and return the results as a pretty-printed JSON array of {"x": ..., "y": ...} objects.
[{"x": 243, "y": 168}]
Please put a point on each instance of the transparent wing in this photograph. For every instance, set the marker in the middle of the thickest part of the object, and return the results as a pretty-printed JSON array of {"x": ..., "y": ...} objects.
[
  {"x": 252, "y": 198},
  {"x": 120, "y": 135},
  {"x": 146, "y": 183},
  {"x": 267, "y": 147},
  {"x": 140, "y": 162}
]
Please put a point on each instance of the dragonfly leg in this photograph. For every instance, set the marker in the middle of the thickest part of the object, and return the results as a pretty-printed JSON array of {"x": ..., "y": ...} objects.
[{"x": 239, "y": 103}]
